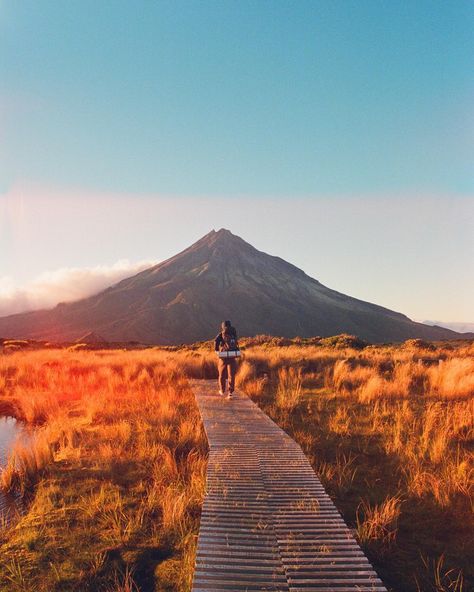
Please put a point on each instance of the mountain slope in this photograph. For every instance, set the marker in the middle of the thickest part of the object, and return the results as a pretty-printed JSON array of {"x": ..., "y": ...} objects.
[{"x": 220, "y": 276}]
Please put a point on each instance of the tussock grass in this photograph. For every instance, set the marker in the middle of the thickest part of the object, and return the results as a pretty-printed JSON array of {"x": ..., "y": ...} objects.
[
  {"x": 378, "y": 522},
  {"x": 289, "y": 388},
  {"x": 382, "y": 424},
  {"x": 439, "y": 578},
  {"x": 114, "y": 475}
]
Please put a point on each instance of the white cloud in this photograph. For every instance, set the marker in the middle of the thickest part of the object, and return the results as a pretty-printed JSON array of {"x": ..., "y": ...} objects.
[
  {"x": 455, "y": 326},
  {"x": 63, "y": 285}
]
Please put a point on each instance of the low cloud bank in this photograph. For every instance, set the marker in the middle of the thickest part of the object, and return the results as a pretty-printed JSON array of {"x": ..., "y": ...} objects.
[
  {"x": 64, "y": 285},
  {"x": 455, "y": 326}
]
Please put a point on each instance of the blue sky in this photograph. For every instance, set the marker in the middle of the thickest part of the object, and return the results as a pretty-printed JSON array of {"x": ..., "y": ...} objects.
[{"x": 315, "y": 104}]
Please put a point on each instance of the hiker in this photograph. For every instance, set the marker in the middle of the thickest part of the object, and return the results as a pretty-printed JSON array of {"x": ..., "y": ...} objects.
[{"x": 227, "y": 349}]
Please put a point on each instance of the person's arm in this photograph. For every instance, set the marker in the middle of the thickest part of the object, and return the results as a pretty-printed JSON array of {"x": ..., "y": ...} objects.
[{"x": 217, "y": 342}]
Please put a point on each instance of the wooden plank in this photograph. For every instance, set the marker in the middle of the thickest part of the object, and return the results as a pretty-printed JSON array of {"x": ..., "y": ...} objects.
[{"x": 267, "y": 522}]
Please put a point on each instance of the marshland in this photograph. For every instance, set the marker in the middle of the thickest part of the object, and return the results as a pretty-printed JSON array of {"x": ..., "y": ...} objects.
[{"x": 112, "y": 477}]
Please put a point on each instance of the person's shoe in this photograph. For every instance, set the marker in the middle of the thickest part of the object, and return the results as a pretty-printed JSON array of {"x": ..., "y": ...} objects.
[
  {"x": 221, "y": 393},
  {"x": 229, "y": 395}
]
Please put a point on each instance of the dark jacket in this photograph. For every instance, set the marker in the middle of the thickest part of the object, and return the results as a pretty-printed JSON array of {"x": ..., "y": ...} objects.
[{"x": 218, "y": 341}]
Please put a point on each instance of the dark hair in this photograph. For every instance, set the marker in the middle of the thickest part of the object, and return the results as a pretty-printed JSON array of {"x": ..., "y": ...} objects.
[{"x": 225, "y": 325}]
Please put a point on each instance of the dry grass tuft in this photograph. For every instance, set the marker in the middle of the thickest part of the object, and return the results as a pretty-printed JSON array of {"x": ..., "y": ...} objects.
[
  {"x": 289, "y": 389},
  {"x": 378, "y": 522}
]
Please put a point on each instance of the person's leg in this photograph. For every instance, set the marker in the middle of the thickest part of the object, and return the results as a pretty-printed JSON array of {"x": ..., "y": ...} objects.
[
  {"x": 232, "y": 370},
  {"x": 222, "y": 375},
  {"x": 225, "y": 377}
]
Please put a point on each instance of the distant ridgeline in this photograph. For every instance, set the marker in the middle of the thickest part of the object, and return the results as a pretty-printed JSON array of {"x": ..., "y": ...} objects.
[{"x": 184, "y": 299}]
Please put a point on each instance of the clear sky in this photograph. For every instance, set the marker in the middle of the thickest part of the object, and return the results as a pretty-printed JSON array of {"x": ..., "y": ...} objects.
[{"x": 338, "y": 135}]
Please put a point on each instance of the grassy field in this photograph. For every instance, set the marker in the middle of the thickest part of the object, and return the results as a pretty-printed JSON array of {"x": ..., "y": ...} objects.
[
  {"x": 116, "y": 475},
  {"x": 390, "y": 430}
]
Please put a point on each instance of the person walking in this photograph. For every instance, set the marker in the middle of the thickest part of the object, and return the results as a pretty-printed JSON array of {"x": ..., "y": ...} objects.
[{"x": 227, "y": 348}]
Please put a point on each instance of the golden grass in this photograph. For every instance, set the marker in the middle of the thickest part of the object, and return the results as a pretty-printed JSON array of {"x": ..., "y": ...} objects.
[
  {"x": 115, "y": 472},
  {"x": 381, "y": 424},
  {"x": 439, "y": 578},
  {"x": 452, "y": 378},
  {"x": 417, "y": 397},
  {"x": 341, "y": 472},
  {"x": 26, "y": 463},
  {"x": 420, "y": 403},
  {"x": 378, "y": 522},
  {"x": 289, "y": 389}
]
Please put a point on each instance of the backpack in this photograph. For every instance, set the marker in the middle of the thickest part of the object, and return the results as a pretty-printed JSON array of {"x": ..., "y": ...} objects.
[{"x": 229, "y": 341}]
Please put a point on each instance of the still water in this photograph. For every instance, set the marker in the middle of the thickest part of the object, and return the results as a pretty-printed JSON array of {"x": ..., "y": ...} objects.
[{"x": 10, "y": 430}]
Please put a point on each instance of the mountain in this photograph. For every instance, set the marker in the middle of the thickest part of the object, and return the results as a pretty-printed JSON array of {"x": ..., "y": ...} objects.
[{"x": 185, "y": 298}]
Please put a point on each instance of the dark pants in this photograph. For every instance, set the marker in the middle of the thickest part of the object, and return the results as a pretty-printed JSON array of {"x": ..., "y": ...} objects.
[{"x": 227, "y": 371}]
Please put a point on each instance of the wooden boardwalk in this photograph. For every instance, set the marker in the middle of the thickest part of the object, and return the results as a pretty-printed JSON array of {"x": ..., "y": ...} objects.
[{"x": 267, "y": 523}]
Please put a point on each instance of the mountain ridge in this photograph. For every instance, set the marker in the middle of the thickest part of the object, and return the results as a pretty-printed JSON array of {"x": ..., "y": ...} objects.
[{"x": 184, "y": 298}]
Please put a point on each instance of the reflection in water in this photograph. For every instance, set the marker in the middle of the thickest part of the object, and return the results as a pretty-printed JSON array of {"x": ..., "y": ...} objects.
[{"x": 10, "y": 429}]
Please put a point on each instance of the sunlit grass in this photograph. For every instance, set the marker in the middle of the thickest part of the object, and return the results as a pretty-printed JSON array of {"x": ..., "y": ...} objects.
[
  {"x": 390, "y": 431},
  {"x": 378, "y": 522},
  {"x": 114, "y": 475}
]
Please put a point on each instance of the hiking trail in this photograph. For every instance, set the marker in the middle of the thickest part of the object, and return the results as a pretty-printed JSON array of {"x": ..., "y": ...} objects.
[{"x": 267, "y": 522}]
